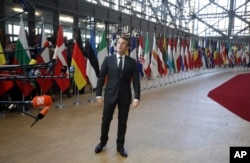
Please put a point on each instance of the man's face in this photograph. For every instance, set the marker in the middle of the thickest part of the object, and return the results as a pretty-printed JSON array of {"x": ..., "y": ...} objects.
[{"x": 122, "y": 46}]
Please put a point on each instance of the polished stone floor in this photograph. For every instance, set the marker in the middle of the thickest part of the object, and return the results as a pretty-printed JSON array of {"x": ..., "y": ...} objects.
[{"x": 174, "y": 123}]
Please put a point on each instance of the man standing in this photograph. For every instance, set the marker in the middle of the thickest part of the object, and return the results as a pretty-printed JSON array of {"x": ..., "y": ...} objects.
[{"x": 120, "y": 70}]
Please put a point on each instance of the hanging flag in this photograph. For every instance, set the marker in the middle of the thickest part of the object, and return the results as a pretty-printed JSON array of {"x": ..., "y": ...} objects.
[
  {"x": 154, "y": 64},
  {"x": 215, "y": 53},
  {"x": 92, "y": 70},
  {"x": 170, "y": 51},
  {"x": 140, "y": 56},
  {"x": 2, "y": 57},
  {"x": 190, "y": 54},
  {"x": 133, "y": 48},
  {"x": 245, "y": 56},
  {"x": 60, "y": 54},
  {"x": 22, "y": 57},
  {"x": 224, "y": 53},
  {"x": 102, "y": 51},
  {"x": 112, "y": 48},
  {"x": 186, "y": 54},
  {"x": 182, "y": 54},
  {"x": 79, "y": 63},
  {"x": 146, "y": 65},
  {"x": 164, "y": 56},
  {"x": 174, "y": 54},
  {"x": 5, "y": 85},
  {"x": 231, "y": 54},
  {"x": 44, "y": 57},
  {"x": 160, "y": 58},
  {"x": 178, "y": 55}
]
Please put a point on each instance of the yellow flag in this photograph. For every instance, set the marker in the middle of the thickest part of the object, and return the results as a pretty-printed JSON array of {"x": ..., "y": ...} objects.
[{"x": 2, "y": 57}]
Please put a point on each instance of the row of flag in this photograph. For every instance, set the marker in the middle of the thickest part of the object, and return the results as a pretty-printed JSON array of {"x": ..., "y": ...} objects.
[
  {"x": 85, "y": 62},
  {"x": 173, "y": 54},
  {"x": 168, "y": 55}
]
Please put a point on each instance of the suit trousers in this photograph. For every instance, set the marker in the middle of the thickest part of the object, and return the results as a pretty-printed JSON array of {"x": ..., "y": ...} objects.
[{"x": 108, "y": 111}]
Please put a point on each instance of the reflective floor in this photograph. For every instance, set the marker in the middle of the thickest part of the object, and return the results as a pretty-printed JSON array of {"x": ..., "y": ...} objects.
[{"x": 175, "y": 123}]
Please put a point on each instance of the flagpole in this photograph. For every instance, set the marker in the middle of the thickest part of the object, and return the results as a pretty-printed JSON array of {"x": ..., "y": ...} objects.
[
  {"x": 23, "y": 105},
  {"x": 76, "y": 90},
  {"x": 77, "y": 102},
  {"x": 147, "y": 83},
  {"x": 92, "y": 99},
  {"x": 61, "y": 105}
]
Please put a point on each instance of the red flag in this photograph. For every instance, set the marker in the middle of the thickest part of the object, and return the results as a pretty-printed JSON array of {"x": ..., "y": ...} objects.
[
  {"x": 5, "y": 85},
  {"x": 61, "y": 55}
]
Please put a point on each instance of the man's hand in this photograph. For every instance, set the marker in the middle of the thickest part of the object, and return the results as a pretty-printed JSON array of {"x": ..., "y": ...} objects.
[
  {"x": 135, "y": 103},
  {"x": 99, "y": 101}
]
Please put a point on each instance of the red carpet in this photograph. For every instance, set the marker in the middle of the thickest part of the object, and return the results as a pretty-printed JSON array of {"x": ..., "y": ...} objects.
[{"x": 234, "y": 95}]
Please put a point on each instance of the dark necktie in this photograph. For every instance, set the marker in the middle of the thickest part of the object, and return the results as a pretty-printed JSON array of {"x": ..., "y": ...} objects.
[{"x": 120, "y": 65}]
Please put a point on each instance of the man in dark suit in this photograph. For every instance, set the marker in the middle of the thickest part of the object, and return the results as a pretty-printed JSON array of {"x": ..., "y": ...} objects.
[{"x": 117, "y": 92}]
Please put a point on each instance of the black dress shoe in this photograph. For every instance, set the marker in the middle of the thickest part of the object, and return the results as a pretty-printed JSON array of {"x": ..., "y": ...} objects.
[
  {"x": 99, "y": 148},
  {"x": 122, "y": 151}
]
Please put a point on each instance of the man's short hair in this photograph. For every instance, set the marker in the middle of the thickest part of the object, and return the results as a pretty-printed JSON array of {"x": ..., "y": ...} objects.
[{"x": 127, "y": 39}]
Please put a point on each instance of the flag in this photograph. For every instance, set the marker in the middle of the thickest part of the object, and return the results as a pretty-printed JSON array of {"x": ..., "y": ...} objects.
[
  {"x": 146, "y": 65},
  {"x": 174, "y": 45},
  {"x": 182, "y": 54},
  {"x": 60, "y": 54},
  {"x": 170, "y": 51},
  {"x": 2, "y": 57},
  {"x": 140, "y": 56},
  {"x": 190, "y": 54},
  {"x": 178, "y": 55},
  {"x": 93, "y": 42},
  {"x": 231, "y": 54},
  {"x": 186, "y": 54},
  {"x": 164, "y": 56},
  {"x": 215, "y": 53},
  {"x": 195, "y": 53},
  {"x": 112, "y": 48},
  {"x": 92, "y": 70},
  {"x": 5, "y": 85},
  {"x": 154, "y": 56},
  {"x": 22, "y": 54},
  {"x": 224, "y": 53},
  {"x": 44, "y": 57},
  {"x": 79, "y": 63},
  {"x": 22, "y": 57},
  {"x": 160, "y": 58},
  {"x": 133, "y": 48},
  {"x": 102, "y": 50}
]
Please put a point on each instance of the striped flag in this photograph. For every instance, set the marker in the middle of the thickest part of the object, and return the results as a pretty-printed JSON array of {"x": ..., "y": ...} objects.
[
  {"x": 22, "y": 57},
  {"x": 154, "y": 56},
  {"x": 102, "y": 51},
  {"x": 92, "y": 70},
  {"x": 146, "y": 64},
  {"x": 79, "y": 63}
]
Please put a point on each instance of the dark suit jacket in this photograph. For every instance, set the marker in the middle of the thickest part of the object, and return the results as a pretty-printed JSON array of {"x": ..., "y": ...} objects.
[{"x": 118, "y": 86}]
